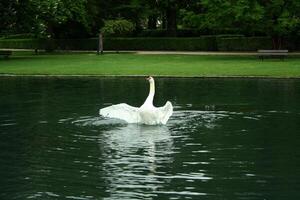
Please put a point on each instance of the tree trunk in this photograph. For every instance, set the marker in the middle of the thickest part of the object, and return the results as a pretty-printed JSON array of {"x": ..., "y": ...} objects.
[
  {"x": 100, "y": 44},
  {"x": 277, "y": 42},
  {"x": 163, "y": 21},
  {"x": 152, "y": 20},
  {"x": 171, "y": 21},
  {"x": 50, "y": 30}
]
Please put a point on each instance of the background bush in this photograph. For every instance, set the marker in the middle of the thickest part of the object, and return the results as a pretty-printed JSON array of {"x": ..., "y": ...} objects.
[
  {"x": 244, "y": 43},
  {"x": 119, "y": 27},
  {"x": 180, "y": 44},
  {"x": 22, "y": 43},
  {"x": 203, "y": 43},
  {"x": 179, "y": 32},
  {"x": 177, "y": 44}
]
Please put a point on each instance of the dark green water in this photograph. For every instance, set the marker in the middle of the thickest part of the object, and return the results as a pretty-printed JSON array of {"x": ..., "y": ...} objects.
[{"x": 227, "y": 139}]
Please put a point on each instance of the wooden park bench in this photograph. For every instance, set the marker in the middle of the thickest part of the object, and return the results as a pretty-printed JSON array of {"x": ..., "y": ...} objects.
[
  {"x": 5, "y": 53},
  {"x": 272, "y": 54}
]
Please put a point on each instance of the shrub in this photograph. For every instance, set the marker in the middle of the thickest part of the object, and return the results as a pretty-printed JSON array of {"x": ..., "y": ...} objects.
[
  {"x": 119, "y": 27},
  {"x": 153, "y": 33},
  {"x": 180, "y": 33},
  {"x": 20, "y": 36},
  {"x": 203, "y": 43},
  {"x": 176, "y": 44},
  {"x": 244, "y": 43},
  {"x": 206, "y": 43},
  {"x": 76, "y": 44},
  {"x": 22, "y": 43}
]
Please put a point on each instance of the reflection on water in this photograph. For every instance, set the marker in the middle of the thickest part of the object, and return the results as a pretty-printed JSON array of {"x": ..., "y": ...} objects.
[
  {"x": 227, "y": 139},
  {"x": 133, "y": 156}
]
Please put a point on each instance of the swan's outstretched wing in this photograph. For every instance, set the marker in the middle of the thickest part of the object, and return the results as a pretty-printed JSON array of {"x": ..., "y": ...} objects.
[
  {"x": 121, "y": 111},
  {"x": 165, "y": 112}
]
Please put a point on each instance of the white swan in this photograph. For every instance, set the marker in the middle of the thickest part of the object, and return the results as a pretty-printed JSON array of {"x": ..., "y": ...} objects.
[{"x": 146, "y": 114}]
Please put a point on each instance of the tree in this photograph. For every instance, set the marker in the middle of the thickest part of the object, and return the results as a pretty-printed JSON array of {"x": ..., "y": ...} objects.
[
  {"x": 119, "y": 27},
  {"x": 83, "y": 18},
  {"x": 281, "y": 18},
  {"x": 42, "y": 16},
  {"x": 238, "y": 15},
  {"x": 49, "y": 13},
  {"x": 153, "y": 14},
  {"x": 274, "y": 18},
  {"x": 170, "y": 12},
  {"x": 8, "y": 15}
]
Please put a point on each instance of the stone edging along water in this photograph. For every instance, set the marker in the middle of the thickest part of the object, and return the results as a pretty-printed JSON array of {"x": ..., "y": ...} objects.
[
  {"x": 213, "y": 53},
  {"x": 142, "y": 76}
]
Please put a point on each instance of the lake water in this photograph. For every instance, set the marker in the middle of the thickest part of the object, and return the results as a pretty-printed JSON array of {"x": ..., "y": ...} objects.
[{"x": 227, "y": 139}]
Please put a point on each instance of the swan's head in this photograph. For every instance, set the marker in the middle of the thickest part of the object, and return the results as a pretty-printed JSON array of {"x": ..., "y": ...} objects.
[{"x": 150, "y": 79}]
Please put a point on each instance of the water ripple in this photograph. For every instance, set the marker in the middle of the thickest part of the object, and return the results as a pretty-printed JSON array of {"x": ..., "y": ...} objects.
[{"x": 136, "y": 161}]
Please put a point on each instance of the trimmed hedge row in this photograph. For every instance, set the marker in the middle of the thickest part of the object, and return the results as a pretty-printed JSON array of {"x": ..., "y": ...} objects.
[
  {"x": 18, "y": 36},
  {"x": 244, "y": 43},
  {"x": 254, "y": 43},
  {"x": 203, "y": 43},
  {"x": 184, "y": 32},
  {"x": 74, "y": 44},
  {"x": 21, "y": 44},
  {"x": 206, "y": 43},
  {"x": 164, "y": 33}
]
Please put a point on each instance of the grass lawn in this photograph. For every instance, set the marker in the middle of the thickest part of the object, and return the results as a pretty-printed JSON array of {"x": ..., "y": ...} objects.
[{"x": 25, "y": 63}]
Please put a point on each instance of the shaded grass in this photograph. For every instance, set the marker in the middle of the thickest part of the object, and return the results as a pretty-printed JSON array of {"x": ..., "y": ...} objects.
[{"x": 25, "y": 63}]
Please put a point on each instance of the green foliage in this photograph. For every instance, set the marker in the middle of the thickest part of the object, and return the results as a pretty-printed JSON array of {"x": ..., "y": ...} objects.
[
  {"x": 177, "y": 44},
  {"x": 119, "y": 27},
  {"x": 22, "y": 44},
  {"x": 83, "y": 18},
  {"x": 40, "y": 17},
  {"x": 180, "y": 33},
  {"x": 244, "y": 43},
  {"x": 48, "y": 13},
  {"x": 76, "y": 44},
  {"x": 191, "y": 20},
  {"x": 205, "y": 43},
  {"x": 153, "y": 33},
  {"x": 216, "y": 15},
  {"x": 281, "y": 17},
  {"x": 7, "y": 16},
  {"x": 19, "y": 36}
]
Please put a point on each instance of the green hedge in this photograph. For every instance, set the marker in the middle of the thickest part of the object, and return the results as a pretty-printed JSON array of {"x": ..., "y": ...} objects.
[
  {"x": 22, "y": 43},
  {"x": 76, "y": 44},
  {"x": 206, "y": 43},
  {"x": 244, "y": 43},
  {"x": 203, "y": 43},
  {"x": 177, "y": 44},
  {"x": 19, "y": 36},
  {"x": 253, "y": 43},
  {"x": 186, "y": 32},
  {"x": 179, "y": 33}
]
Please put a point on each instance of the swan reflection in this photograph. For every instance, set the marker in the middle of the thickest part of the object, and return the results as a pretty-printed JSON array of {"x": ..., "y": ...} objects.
[{"x": 133, "y": 156}]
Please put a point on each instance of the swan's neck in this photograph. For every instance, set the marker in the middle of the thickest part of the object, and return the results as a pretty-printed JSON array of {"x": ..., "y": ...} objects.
[{"x": 149, "y": 100}]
